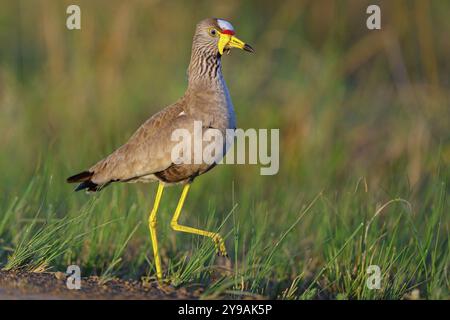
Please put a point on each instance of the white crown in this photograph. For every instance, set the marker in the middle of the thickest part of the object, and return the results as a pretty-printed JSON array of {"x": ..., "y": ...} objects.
[{"x": 225, "y": 25}]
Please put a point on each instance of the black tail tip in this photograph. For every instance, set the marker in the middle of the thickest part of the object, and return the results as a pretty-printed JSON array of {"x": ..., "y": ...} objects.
[
  {"x": 80, "y": 177},
  {"x": 89, "y": 185}
]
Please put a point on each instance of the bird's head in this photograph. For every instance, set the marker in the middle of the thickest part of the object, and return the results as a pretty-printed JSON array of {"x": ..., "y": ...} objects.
[{"x": 218, "y": 36}]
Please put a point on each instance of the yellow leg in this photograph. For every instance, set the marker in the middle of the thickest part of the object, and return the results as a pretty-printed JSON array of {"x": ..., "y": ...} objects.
[
  {"x": 218, "y": 241},
  {"x": 152, "y": 227}
]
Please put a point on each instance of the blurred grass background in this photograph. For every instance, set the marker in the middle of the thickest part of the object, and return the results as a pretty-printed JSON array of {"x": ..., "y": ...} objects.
[{"x": 364, "y": 118}]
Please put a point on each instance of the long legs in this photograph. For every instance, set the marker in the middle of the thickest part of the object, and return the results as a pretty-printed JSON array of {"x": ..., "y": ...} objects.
[
  {"x": 152, "y": 227},
  {"x": 220, "y": 244}
]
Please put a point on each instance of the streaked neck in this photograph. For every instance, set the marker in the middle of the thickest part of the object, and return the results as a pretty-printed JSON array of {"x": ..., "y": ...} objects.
[{"x": 205, "y": 69}]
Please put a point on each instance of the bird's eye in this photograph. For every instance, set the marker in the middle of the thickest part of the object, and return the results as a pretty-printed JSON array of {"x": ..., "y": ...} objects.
[{"x": 213, "y": 32}]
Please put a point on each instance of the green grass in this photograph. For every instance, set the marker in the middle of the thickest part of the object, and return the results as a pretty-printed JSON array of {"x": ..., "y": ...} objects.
[
  {"x": 319, "y": 248},
  {"x": 365, "y": 147}
]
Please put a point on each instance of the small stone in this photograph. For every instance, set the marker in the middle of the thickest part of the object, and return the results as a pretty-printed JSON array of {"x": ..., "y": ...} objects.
[
  {"x": 415, "y": 294},
  {"x": 60, "y": 275}
]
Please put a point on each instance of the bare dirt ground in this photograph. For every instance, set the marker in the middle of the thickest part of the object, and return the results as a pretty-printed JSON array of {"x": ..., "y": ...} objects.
[{"x": 51, "y": 285}]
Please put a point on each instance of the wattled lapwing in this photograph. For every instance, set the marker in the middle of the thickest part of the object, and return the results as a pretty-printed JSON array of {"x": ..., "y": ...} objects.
[{"x": 147, "y": 156}]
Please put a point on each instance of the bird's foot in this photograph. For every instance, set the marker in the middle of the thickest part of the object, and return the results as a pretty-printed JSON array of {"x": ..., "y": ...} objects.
[{"x": 220, "y": 246}]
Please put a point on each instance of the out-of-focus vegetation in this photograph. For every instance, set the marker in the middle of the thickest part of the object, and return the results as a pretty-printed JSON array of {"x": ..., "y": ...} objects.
[{"x": 364, "y": 120}]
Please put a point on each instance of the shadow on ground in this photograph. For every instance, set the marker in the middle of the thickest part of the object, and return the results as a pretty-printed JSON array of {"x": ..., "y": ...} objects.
[{"x": 52, "y": 285}]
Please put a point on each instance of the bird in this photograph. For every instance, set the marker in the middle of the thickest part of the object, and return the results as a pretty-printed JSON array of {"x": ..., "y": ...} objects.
[{"x": 147, "y": 155}]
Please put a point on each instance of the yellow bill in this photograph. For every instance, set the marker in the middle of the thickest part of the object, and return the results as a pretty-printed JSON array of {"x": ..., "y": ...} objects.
[{"x": 228, "y": 41}]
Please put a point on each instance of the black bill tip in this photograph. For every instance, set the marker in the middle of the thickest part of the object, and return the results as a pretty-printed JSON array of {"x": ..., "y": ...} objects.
[{"x": 249, "y": 48}]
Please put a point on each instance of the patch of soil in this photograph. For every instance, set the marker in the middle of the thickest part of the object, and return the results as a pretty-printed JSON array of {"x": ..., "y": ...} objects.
[{"x": 52, "y": 285}]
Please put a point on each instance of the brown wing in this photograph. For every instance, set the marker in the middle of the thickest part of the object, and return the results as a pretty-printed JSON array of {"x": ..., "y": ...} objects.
[
  {"x": 142, "y": 154},
  {"x": 147, "y": 151}
]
